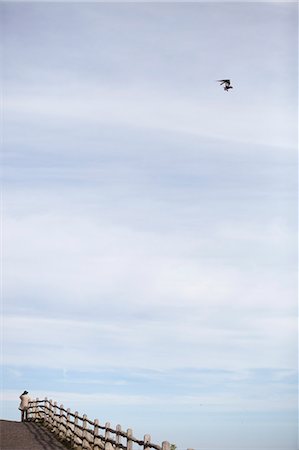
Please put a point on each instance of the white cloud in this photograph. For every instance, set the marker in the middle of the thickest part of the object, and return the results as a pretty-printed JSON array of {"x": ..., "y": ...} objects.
[
  {"x": 221, "y": 401},
  {"x": 155, "y": 344},
  {"x": 85, "y": 272},
  {"x": 144, "y": 107}
]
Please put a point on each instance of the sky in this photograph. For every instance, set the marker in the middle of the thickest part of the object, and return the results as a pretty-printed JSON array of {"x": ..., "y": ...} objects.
[{"x": 149, "y": 243}]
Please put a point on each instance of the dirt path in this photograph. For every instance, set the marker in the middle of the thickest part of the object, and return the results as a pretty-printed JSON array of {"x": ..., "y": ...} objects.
[{"x": 26, "y": 436}]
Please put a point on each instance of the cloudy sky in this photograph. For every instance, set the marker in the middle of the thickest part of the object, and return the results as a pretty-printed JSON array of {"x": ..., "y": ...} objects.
[{"x": 149, "y": 217}]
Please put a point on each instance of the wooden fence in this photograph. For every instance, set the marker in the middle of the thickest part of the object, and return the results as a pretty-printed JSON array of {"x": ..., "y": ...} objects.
[{"x": 82, "y": 433}]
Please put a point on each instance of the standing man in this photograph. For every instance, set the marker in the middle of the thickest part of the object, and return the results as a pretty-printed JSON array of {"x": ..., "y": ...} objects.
[{"x": 24, "y": 405}]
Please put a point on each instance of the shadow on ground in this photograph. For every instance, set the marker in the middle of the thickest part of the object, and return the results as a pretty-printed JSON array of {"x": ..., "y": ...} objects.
[{"x": 27, "y": 436}]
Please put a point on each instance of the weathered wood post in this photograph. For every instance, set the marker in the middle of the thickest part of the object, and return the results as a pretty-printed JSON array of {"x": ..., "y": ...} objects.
[
  {"x": 108, "y": 445},
  {"x": 68, "y": 430},
  {"x": 51, "y": 413},
  {"x": 61, "y": 420},
  {"x": 55, "y": 417},
  {"x": 96, "y": 435},
  {"x": 45, "y": 415},
  {"x": 118, "y": 436},
  {"x": 76, "y": 439},
  {"x": 129, "y": 439},
  {"x": 29, "y": 411},
  {"x": 33, "y": 409},
  {"x": 36, "y": 412},
  {"x": 146, "y": 441},
  {"x": 85, "y": 443},
  {"x": 107, "y": 432}
]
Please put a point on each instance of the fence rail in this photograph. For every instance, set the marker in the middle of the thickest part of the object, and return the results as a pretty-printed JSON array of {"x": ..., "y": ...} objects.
[{"x": 81, "y": 433}]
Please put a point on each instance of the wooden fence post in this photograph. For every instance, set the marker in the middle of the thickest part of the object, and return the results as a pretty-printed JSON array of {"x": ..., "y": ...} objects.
[
  {"x": 36, "y": 408},
  {"x": 32, "y": 409},
  {"x": 147, "y": 440},
  {"x": 68, "y": 423},
  {"x": 129, "y": 439},
  {"x": 96, "y": 435},
  {"x": 107, "y": 432},
  {"x": 55, "y": 421},
  {"x": 84, "y": 431},
  {"x": 45, "y": 415},
  {"x": 85, "y": 442},
  {"x": 29, "y": 411},
  {"x": 51, "y": 413},
  {"x": 61, "y": 420},
  {"x": 76, "y": 439},
  {"x": 108, "y": 445},
  {"x": 118, "y": 436}
]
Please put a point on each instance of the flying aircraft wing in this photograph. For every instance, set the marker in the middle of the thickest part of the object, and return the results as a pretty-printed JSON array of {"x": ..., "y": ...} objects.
[{"x": 224, "y": 81}]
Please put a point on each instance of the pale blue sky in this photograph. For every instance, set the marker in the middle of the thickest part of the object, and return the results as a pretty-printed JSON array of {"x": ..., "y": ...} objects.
[{"x": 150, "y": 218}]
